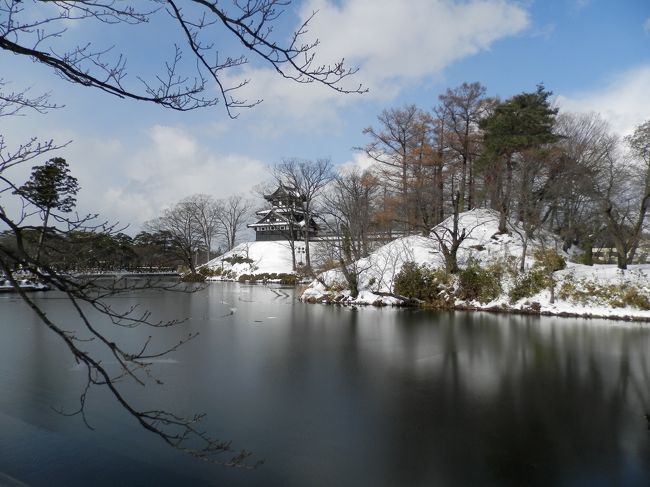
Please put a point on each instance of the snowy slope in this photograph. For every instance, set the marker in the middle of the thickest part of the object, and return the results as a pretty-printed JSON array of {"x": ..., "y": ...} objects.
[
  {"x": 267, "y": 257},
  {"x": 485, "y": 246}
]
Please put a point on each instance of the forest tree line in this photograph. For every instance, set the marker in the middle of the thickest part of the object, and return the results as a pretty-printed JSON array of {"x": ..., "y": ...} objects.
[
  {"x": 189, "y": 233},
  {"x": 522, "y": 157}
]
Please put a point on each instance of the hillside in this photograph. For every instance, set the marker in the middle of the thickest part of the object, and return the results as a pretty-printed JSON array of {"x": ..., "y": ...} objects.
[
  {"x": 254, "y": 258},
  {"x": 599, "y": 290}
]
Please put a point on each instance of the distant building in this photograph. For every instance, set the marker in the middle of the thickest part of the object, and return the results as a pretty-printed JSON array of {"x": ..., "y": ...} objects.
[{"x": 285, "y": 219}]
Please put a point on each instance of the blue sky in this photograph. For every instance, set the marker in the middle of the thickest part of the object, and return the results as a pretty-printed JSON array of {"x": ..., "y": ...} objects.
[{"x": 133, "y": 159}]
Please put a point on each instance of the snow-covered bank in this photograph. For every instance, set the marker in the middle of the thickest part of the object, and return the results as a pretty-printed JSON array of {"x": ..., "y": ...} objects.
[{"x": 580, "y": 290}]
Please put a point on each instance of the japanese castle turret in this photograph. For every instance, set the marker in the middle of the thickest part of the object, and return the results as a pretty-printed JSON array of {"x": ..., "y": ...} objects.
[{"x": 285, "y": 219}]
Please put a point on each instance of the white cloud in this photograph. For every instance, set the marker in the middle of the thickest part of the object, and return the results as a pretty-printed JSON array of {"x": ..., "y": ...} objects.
[
  {"x": 172, "y": 165},
  {"x": 395, "y": 44},
  {"x": 624, "y": 102},
  {"x": 288, "y": 104},
  {"x": 646, "y": 25},
  {"x": 130, "y": 185},
  {"x": 359, "y": 161},
  {"x": 397, "y": 41}
]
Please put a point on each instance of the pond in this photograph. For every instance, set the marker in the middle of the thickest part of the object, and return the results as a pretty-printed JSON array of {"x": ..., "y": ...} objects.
[{"x": 331, "y": 396}]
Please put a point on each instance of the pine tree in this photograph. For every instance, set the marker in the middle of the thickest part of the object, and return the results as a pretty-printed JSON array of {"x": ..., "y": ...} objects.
[
  {"x": 522, "y": 123},
  {"x": 50, "y": 187}
]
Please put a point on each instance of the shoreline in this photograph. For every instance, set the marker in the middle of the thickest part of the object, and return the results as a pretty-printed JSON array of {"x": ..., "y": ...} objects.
[{"x": 532, "y": 308}]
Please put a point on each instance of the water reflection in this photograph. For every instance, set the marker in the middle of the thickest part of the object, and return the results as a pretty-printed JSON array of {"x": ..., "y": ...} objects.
[
  {"x": 337, "y": 396},
  {"x": 532, "y": 403}
]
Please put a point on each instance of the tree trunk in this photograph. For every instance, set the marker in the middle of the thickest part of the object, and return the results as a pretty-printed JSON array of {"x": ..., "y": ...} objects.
[
  {"x": 463, "y": 179},
  {"x": 638, "y": 228},
  {"x": 470, "y": 191},
  {"x": 306, "y": 239},
  {"x": 441, "y": 195},
  {"x": 522, "y": 266},
  {"x": 505, "y": 202},
  {"x": 351, "y": 278},
  {"x": 589, "y": 253},
  {"x": 503, "y": 227},
  {"x": 190, "y": 262},
  {"x": 291, "y": 239},
  {"x": 618, "y": 235},
  {"x": 463, "y": 183},
  {"x": 552, "y": 288},
  {"x": 451, "y": 252},
  {"x": 41, "y": 237},
  {"x": 621, "y": 253},
  {"x": 406, "y": 207},
  {"x": 451, "y": 261},
  {"x": 439, "y": 180}
]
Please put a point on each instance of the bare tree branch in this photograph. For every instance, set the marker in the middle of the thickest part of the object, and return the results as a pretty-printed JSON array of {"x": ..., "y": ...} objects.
[{"x": 38, "y": 32}]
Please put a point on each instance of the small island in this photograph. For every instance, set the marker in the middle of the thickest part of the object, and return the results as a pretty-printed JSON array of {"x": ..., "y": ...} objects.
[{"x": 413, "y": 271}]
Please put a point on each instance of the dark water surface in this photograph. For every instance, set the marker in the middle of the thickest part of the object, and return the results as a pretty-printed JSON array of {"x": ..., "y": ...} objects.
[{"x": 336, "y": 397}]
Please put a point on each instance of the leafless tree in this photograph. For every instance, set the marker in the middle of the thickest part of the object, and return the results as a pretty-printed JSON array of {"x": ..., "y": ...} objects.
[
  {"x": 541, "y": 174},
  {"x": 387, "y": 263},
  {"x": 34, "y": 31},
  {"x": 392, "y": 145},
  {"x": 350, "y": 206},
  {"x": 448, "y": 240},
  {"x": 603, "y": 190},
  {"x": 585, "y": 140},
  {"x": 308, "y": 179},
  {"x": 205, "y": 211},
  {"x": 639, "y": 145},
  {"x": 623, "y": 190},
  {"x": 441, "y": 165},
  {"x": 181, "y": 223},
  {"x": 425, "y": 179},
  {"x": 231, "y": 215},
  {"x": 19, "y": 104},
  {"x": 462, "y": 109}
]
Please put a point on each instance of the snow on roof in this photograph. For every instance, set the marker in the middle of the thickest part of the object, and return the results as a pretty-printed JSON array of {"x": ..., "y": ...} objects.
[{"x": 269, "y": 224}]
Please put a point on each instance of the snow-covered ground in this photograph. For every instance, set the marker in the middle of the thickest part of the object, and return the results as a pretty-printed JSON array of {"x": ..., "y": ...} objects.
[
  {"x": 483, "y": 245},
  {"x": 265, "y": 257},
  {"x": 486, "y": 246},
  {"x": 584, "y": 277}
]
